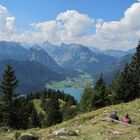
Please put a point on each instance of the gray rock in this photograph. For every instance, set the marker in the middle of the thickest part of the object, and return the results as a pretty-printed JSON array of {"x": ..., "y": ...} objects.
[
  {"x": 63, "y": 132},
  {"x": 28, "y": 137},
  {"x": 93, "y": 121},
  {"x": 136, "y": 138},
  {"x": 116, "y": 132},
  {"x": 77, "y": 131}
]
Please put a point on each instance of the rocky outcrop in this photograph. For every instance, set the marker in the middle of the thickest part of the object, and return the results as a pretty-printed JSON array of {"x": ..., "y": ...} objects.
[{"x": 63, "y": 132}]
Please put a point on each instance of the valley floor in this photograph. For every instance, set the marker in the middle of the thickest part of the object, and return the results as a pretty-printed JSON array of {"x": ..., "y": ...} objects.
[
  {"x": 76, "y": 82},
  {"x": 91, "y": 126}
]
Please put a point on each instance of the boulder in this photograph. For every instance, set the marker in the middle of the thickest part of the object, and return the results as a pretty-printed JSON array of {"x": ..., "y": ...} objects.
[
  {"x": 136, "y": 138},
  {"x": 116, "y": 132},
  {"x": 63, "y": 132},
  {"x": 28, "y": 137}
]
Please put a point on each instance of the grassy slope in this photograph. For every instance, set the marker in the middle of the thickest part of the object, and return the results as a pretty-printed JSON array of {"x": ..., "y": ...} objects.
[{"x": 91, "y": 126}]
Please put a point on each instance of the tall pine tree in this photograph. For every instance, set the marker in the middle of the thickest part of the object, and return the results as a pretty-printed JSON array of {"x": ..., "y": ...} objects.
[
  {"x": 135, "y": 72},
  {"x": 54, "y": 115},
  {"x": 86, "y": 99},
  {"x": 20, "y": 113},
  {"x": 100, "y": 95},
  {"x": 122, "y": 86},
  {"x": 7, "y": 88}
]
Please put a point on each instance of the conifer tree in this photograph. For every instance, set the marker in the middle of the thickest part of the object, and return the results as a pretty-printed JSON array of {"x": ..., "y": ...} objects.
[
  {"x": 7, "y": 88},
  {"x": 86, "y": 99},
  {"x": 122, "y": 86},
  {"x": 43, "y": 99},
  {"x": 34, "y": 118},
  {"x": 135, "y": 72},
  {"x": 69, "y": 112},
  {"x": 52, "y": 109},
  {"x": 33, "y": 115},
  {"x": 114, "y": 88},
  {"x": 100, "y": 94},
  {"x": 20, "y": 113}
]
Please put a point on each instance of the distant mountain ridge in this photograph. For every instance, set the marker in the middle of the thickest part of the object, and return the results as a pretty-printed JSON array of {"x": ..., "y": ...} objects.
[
  {"x": 64, "y": 60},
  {"x": 115, "y": 53},
  {"x": 119, "y": 53},
  {"x": 80, "y": 57},
  {"x": 13, "y": 50},
  {"x": 91, "y": 60},
  {"x": 38, "y": 54}
]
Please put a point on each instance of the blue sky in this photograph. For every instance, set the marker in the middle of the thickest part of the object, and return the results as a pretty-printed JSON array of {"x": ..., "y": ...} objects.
[
  {"x": 29, "y": 11},
  {"x": 104, "y": 24}
]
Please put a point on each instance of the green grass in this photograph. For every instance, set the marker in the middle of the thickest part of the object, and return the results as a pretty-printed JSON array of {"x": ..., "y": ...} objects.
[
  {"x": 92, "y": 127},
  {"x": 37, "y": 104}
]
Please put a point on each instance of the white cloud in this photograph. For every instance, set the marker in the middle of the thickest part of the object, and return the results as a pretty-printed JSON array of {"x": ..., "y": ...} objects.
[
  {"x": 67, "y": 26},
  {"x": 74, "y": 27},
  {"x": 76, "y": 24},
  {"x": 7, "y": 22},
  {"x": 122, "y": 34},
  {"x": 10, "y": 23}
]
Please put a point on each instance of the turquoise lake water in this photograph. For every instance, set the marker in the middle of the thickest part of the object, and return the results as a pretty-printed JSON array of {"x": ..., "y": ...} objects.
[{"x": 75, "y": 92}]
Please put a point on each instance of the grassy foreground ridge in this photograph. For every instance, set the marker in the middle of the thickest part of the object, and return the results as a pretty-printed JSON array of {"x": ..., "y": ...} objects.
[{"x": 90, "y": 125}]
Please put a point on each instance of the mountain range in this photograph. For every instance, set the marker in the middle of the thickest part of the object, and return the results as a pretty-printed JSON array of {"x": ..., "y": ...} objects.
[
  {"x": 118, "y": 53},
  {"x": 90, "y": 60},
  {"x": 45, "y": 62},
  {"x": 32, "y": 75},
  {"x": 82, "y": 58}
]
